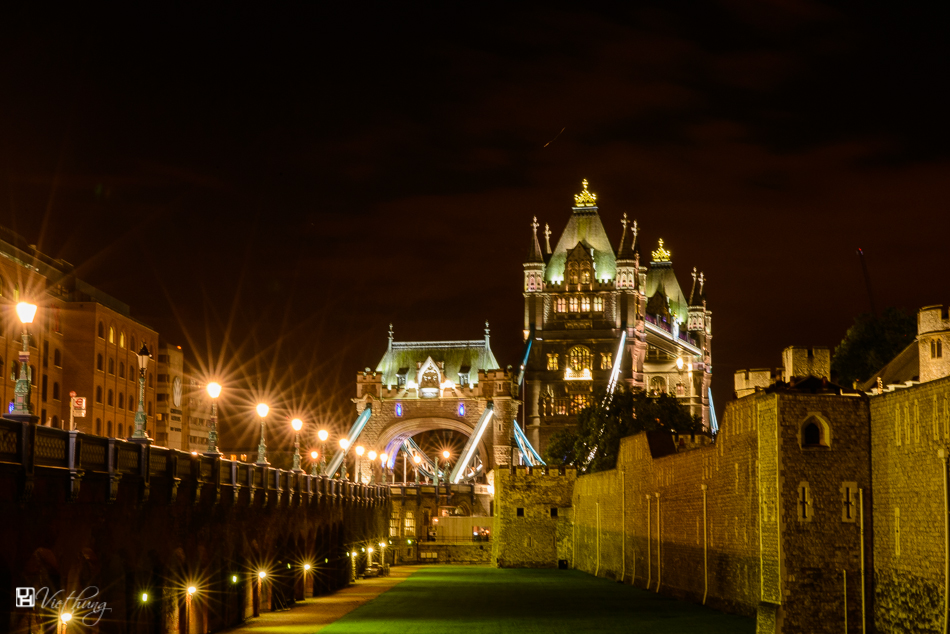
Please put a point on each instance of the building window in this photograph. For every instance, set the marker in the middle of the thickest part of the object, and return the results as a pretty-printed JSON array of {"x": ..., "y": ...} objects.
[
  {"x": 520, "y": 511},
  {"x": 111, "y": 366},
  {"x": 98, "y": 393},
  {"x": 43, "y": 387},
  {"x": 121, "y": 370},
  {"x": 585, "y": 275},
  {"x": 598, "y": 304},
  {"x": 132, "y": 344},
  {"x": 579, "y": 360},
  {"x": 804, "y": 505},
  {"x": 606, "y": 360},
  {"x": 111, "y": 334},
  {"x": 122, "y": 340},
  {"x": 394, "y": 524},
  {"x": 57, "y": 358},
  {"x": 55, "y": 391},
  {"x": 101, "y": 331},
  {"x": 552, "y": 361},
  {"x": 554, "y": 511},
  {"x": 849, "y": 501},
  {"x": 99, "y": 362},
  {"x": 121, "y": 400},
  {"x": 585, "y": 304},
  {"x": 98, "y": 427},
  {"x": 150, "y": 408},
  {"x": 658, "y": 385},
  {"x": 815, "y": 433},
  {"x": 560, "y": 305},
  {"x": 573, "y": 304},
  {"x": 57, "y": 324},
  {"x": 410, "y": 524},
  {"x": 109, "y": 428},
  {"x": 46, "y": 354},
  {"x": 936, "y": 349},
  {"x": 109, "y": 398},
  {"x": 161, "y": 397},
  {"x": 120, "y": 431},
  {"x": 463, "y": 378},
  {"x": 572, "y": 273}
]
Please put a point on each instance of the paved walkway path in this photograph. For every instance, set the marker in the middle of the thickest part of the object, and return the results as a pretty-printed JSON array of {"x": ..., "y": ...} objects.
[{"x": 314, "y": 614}]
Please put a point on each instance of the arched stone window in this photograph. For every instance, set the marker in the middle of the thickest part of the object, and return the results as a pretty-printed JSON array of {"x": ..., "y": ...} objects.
[
  {"x": 585, "y": 274},
  {"x": 109, "y": 398},
  {"x": 99, "y": 362},
  {"x": 57, "y": 358},
  {"x": 98, "y": 393},
  {"x": 111, "y": 366},
  {"x": 101, "y": 331},
  {"x": 121, "y": 339},
  {"x": 121, "y": 370},
  {"x": 579, "y": 358},
  {"x": 111, "y": 334},
  {"x": 658, "y": 385},
  {"x": 55, "y": 391},
  {"x": 121, "y": 400},
  {"x": 572, "y": 273},
  {"x": 815, "y": 432}
]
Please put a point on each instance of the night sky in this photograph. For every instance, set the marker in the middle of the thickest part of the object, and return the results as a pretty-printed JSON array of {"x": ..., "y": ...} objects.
[{"x": 271, "y": 189}]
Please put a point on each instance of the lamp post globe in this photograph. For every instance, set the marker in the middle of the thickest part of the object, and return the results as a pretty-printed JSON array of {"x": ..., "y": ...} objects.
[
  {"x": 313, "y": 463},
  {"x": 417, "y": 459},
  {"x": 214, "y": 391},
  {"x": 141, "y": 420},
  {"x": 21, "y": 392},
  {"x": 297, "y": 424},
  {"x": 262, "y": 410}
]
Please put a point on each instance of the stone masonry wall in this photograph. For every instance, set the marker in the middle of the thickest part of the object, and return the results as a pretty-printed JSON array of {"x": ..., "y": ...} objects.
[
  {"x": 908, "y": 427},
  {"x": 532, "y": 516}
]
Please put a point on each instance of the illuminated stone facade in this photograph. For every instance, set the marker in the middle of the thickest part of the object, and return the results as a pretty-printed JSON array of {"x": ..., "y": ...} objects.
[{"x": 581, "y": 296}]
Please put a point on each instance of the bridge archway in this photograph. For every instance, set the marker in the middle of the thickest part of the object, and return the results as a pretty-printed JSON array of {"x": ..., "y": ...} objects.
[{"x": 393, "y": 436}]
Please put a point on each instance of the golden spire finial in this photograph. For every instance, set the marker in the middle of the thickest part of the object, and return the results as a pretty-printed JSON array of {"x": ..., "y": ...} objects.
[
  {"x": 661, "y": 254},
  {"x": 585, "y": 198}
]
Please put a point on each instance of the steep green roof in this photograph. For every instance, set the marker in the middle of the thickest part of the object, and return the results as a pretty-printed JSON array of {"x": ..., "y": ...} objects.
[
  {"x": 404, "y": 356},
  {"x": 583, "y": 227},
  {"x": 661, "y": 278}
]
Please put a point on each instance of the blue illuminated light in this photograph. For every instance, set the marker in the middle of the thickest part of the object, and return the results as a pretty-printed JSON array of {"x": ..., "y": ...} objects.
[
  {"x": 398, "y": 409},
  {"x": 461, "y": 409}
]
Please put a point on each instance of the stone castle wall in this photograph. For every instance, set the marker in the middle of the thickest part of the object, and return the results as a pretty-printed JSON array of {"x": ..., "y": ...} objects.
[
  {"x": 532, "y": 516},
  {"x": 908, "y": 429}
]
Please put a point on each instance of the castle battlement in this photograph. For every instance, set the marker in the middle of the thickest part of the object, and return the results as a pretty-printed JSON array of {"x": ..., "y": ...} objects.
[
  {"x": 799, "y": 361},
  {"x": 933, "y": 319}
]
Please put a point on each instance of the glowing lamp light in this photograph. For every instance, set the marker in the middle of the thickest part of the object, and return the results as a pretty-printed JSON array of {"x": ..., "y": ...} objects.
[
  {"x": 446, "y": 454},
  {"x": 371, "y": 455},
  {"x": 306, "y": 567},
  {"x": 679, "y": 363},
  {"x": 66, "y": 617},
  {"x": 192, "y": 590},
  {"x": 323, "y": 435},
  {"x": 344, "y": 444},
  {"x": 369, "y": 550},
  {"x": 382, "y": 544},
  {"x": 26, "y": 311},
  {"x": 360, "y": 450},
  {"x": 214, "y": 390},
  {"x": 297, "y": 424},
  {"x": 417, "y": 458},
  {"x": 261, "y": 574},
  {"x": 262, "y": 409},
  {"x": 233, "y": 578},
  {"x": 382, "y": 457},
  {"x": 313, "y": 455},
  {"x": 145, "y": 597},
  {"x": 194, "y": 453}
]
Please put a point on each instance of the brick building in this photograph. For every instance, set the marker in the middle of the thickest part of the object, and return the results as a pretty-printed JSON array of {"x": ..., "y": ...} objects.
[
  {"x": 584, "y": 299},
  {"x": 82, "y": 340}
]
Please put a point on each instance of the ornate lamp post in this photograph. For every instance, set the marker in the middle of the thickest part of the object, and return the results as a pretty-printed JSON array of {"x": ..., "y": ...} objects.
[
  {"x": 214, "y": 391},
  {"x": 323, "y": 435},
  {"x": 344, "y": 445},
  {"x": 140, "y": 420},
  {"x": 382, "y": 466},
  {"x": 262, "y": 410},
  {"x": 313, "y": 463},
  {"x": 359, "y": 463},
  {"x": 372, "y": 466},
  {"x": 417, "y": 459},
  {"x": 445, "y": 455},
  {"x": 297, "y": 424},
  {"x": 21, "y": 393}
]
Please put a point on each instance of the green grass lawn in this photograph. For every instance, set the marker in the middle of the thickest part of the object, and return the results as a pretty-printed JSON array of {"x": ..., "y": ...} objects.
[{"x": 476, "y": 600}]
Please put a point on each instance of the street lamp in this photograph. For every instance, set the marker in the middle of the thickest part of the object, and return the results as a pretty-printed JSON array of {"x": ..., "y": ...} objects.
[
  {"x": 214, "y": 391},
  {"x": 323, "y": 435},
  {"x": 445, "y": 455},
  {"x": 417, "y": 459},
  {"x": 372, "y": 466},
  {"x": 359, "y": 463},
  {"x": 262, "y": 410},
  {"x": 313, "y": 463},
  {"x": 140, "y": 420},
  {"x": 297, "y": 425},
  {"x": 382, "y": 466},
  {"x": 344, "y": 445},
  {"x": 21, "y": 406}
]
